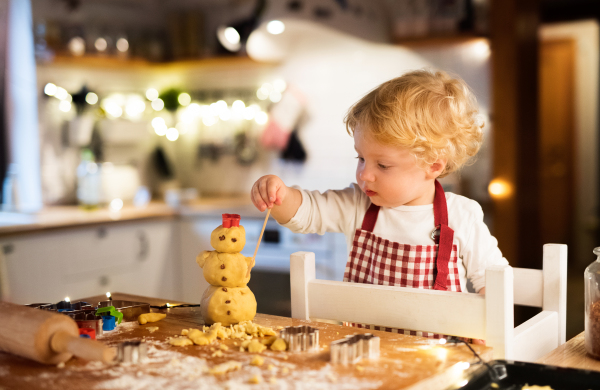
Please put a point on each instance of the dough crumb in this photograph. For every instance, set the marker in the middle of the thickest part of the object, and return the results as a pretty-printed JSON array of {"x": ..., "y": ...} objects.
[
  {"x": 256, "y": 379},
  {"x": 242, "y": 349},
  {"x": 150, "y": 317},
  {"x": 152, "y": 329},
  {"x": 217, "y": 354},
  {"x": 285, "y": 370},
  {"x": 332, "y": 377},
  {"x": 257, "y": 360},
  {"x": 231, "y": 365},
  {"x": 60, "y": 365},
  {"x": 256, "y": 346},
  {"x": 285, "y": 357},
  {"x": 269, "y": 340},
  {"x": 184, "y": 332},
  {"x": 279, "y": 345},
  {"x": 360, "y": 368},
  {"x": 494, "y": 385},
  {"x": 223, "y": 347},
  {"x": 180, "y": 341},
  {"x": 270, "y": 367},
  {"x": 272, "y": 380}
]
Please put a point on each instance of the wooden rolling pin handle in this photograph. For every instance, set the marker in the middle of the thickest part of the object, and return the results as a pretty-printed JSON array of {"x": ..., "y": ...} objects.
[{"x": 82, "y": 347}]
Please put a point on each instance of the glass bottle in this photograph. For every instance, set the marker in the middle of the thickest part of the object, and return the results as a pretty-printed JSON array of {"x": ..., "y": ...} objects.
[
  {"x": 88, "y": 181},
  {"x": 592, "y": 306}
]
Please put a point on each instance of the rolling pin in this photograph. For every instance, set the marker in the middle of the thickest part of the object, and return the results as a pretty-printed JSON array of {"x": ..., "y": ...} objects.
[{"x": 46, "y": 337}]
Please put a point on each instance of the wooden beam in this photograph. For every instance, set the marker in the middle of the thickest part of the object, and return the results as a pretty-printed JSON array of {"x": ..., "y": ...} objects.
[{"x": 513, "y": 32}]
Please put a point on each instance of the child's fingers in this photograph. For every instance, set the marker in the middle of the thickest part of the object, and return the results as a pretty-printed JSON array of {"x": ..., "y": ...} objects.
[
  {"x": 257, "y": 198},
  {"x": 264, "y": 192},
  {"x": 272, "y": 189}
]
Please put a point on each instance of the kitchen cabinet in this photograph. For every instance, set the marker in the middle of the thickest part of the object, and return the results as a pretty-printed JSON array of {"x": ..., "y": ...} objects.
[
  {"x": 137, "y": 257},
  {"x": 273, "y": 256}
]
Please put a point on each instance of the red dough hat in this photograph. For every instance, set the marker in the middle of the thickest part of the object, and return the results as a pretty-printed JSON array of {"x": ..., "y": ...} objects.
[{"x": 230, "y": 220}]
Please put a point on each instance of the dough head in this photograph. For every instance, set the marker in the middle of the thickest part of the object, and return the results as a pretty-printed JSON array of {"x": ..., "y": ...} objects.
[{"x": 228, "y": 240}]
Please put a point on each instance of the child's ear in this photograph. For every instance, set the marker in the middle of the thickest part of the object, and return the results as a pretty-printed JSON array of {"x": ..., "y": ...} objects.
[{"x": 436, "y": 168}]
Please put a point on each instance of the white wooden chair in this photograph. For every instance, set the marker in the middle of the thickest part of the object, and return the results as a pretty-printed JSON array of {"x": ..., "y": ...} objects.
[{"x": 488, "y": 317}]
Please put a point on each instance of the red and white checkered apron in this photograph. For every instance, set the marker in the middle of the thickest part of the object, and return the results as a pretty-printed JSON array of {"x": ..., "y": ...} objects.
[{"x": 379, "y": 261}]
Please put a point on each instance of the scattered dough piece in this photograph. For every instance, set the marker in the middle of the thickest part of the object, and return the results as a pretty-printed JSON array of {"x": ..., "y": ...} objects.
[
  {"x": 279, "y": 345},
  {"x": 285, "y": 370},
  {"x": 241, "y": 349},
  {"x": 150, "y": 317},
  {"x": 245, "y": 343},
  {"x": 61, "y": 365},
  {"x": 256, "y": 346},
  {"x": 184, "y": 332},
  {"x": 201, "y": 338},
  {"x": 285, "y": 357},
  {"x": 535, "y": 387},
  {"x": 257, "y": 360},
  {"x": 360, "y": 368},
  {"x": 332, "y": 377},
  {"x": 223, "y": 347},
  {"x": 268, "y": 340},
  {"x": 217, "y": 354},
  {"x": 180, "y": 341},
  {"x": 256, "y": 379},
  {"x": 272, "y": 380},
  {"x": 152, "y": 329},
  {"x": 222, "y": 368},
  {"x": 495, "y": 385},
  {"x": 279, "y": 327},
  {"x": 270, "y": 367}
]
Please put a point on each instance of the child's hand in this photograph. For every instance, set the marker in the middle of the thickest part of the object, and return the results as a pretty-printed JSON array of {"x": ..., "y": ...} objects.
[{"x": 267, "y": 192}]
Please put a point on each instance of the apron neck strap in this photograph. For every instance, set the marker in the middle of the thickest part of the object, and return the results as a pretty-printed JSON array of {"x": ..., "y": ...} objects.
[
  {"x": 370, "y": 218},
  {"x": 440, "y": 209}
]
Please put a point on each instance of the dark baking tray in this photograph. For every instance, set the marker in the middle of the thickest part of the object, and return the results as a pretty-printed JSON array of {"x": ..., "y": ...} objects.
[{"x": 515, "y": 375}]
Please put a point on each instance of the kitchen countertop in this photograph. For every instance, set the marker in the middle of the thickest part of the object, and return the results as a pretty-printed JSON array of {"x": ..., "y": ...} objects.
[
  {"x": 55, "y": 217},
  {"x": 406, "y": 362},
  {"x": 571, "y": 354}
]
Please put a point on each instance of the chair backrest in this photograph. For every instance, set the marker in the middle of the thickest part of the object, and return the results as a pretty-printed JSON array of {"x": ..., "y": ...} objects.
[{"x": 488, "y": 317}]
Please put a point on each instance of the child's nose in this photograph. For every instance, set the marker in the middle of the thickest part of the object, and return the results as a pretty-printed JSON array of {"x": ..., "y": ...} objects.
[{"x": 366, "y": 174}]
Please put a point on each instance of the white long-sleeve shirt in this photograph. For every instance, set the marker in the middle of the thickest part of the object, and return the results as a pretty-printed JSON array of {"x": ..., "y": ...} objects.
[{"x": 343, "y": 211}]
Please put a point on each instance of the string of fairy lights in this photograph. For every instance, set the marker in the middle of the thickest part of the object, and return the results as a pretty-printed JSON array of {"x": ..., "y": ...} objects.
[{"x": 135, "y": 107}]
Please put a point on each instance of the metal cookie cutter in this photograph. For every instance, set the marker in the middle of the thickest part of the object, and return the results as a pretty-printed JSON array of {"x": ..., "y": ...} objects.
[
  {"x": 351, "y": 349},
  {"x": 301, "y": 338},
  {"x": 130, "y": 310},
  {"x": 131, "y": 352}
]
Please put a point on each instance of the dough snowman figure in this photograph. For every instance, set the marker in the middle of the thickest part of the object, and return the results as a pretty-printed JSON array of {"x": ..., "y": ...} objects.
[{"x": 227, "y": 300}]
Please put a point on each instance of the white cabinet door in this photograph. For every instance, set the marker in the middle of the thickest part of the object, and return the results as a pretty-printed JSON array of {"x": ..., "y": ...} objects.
[{"x": 130, "y": 257}]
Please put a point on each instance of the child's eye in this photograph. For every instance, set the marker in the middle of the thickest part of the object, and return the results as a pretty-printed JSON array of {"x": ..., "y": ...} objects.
[
  {"x": 362, "y": 160},
  {"x": 383, "y": 166}
]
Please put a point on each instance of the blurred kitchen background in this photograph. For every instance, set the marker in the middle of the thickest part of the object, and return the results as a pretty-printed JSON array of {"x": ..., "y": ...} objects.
[{"x": 128, "y": 126}]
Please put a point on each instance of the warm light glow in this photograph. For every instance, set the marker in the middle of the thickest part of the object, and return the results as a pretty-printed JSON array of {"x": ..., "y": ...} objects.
[
  {"x": 108, "y": 295},
  {"x": 135, "y": 107},
  {"x": 262, "y": 93},
  {"x": 168, "y": 304},
  {"x": 61, "y": 93},
  {"x": 172, "y": 134},
  {"x": 209, "y": 120},
  {"x": 442, "y": 341},
  {"x": 463, "y": 365},
  {"x": 238, "y": 105},
  {"x": 261, "y": 118},
  {"x": 481, "y": 49},
  {"x": 91, "y": 98},
  {"x": 249, "y": 113},
  {"x": 159, "y": 125},
  {"x": 441, "y": 353},
  {"x": 275, "y": 27},
  {"x": 152, "y": 94},
  {"x": 64, "y": 106},
  {"x": 225, "y": 115},
  {"x": 77, "y": 46},
  {"x": 50, "y": 89},
  {"x": 463, "y": 383},
  {"x": 158, "y": 104},
  {"x": 499, "y": 189},
  {"x": 232, "y": 35},
  {"x": 279, "y": 85},
  {"x": 184, "y": 99},
  {"x": 122, "y": 45},
  {"x": 116, "y": 204},
  {"x": 275, "y": 96},
  {"x": 112, "y": 108},
  {"x": 101, "y": 44},
  {"x": 67, "y": 299}
]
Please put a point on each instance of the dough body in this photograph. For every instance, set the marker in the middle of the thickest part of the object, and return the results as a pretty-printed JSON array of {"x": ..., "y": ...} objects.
[
  {"x": 226, "y": 269},
  {"x": 228, "y": 240},
  {"x": 214, "y": 306}
]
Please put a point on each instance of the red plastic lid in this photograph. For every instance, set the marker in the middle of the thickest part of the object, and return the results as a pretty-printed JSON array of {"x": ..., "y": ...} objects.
[{"x": 230, "y": 220}]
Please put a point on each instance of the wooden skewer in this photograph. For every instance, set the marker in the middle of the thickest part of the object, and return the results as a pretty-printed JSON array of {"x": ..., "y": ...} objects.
[{"x": 258, "y": 243}]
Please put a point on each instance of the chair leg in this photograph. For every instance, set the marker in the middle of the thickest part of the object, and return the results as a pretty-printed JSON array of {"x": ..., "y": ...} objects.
[
  {"x": 302, "y": 271},
  {"x": 499, "y": 302},
  {"x": 555, "y": 285}
]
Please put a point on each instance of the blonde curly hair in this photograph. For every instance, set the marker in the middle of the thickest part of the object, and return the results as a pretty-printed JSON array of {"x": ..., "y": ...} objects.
[{"x": 431, "y": 113}]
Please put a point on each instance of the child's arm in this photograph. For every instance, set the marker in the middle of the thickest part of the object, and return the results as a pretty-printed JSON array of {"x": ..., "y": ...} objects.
[{"x": 271, "y": 192}]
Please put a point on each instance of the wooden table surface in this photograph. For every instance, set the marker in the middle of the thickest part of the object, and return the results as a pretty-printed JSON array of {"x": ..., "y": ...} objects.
[
  {"x": 406, "y": 362},
  {"x": 572, "y": 354}
]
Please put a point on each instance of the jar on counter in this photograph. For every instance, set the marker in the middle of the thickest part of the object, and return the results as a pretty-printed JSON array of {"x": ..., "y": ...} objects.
[{"x": 592, "y": 306}]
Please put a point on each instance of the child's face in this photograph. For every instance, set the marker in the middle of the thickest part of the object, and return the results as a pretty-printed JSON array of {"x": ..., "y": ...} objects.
[{"x": 390, "y": 175}]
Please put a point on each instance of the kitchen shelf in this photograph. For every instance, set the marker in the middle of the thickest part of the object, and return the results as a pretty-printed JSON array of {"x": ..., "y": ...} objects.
[
  {"x": 433, "y": 41},
  {"x": 95, "y": 62}
]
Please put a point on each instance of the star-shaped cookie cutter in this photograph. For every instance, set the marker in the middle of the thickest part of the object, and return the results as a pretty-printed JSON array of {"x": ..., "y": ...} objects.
[
  {"x": 301, "y": 338},
  {"x": 351, "y": 349}
]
